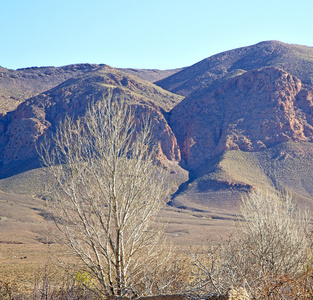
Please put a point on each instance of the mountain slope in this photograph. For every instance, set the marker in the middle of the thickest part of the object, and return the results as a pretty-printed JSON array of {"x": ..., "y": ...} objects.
[
  {"x": 294, "y": 59},
  {"x": 37, "y": 117},
  {"x": 251, "y": 112},
  {"x": 252, "y": 131},
  {"x": 151, "y": 75},
  {"x": 18, "y": 85},
  {"x": 221, "y": 181}
]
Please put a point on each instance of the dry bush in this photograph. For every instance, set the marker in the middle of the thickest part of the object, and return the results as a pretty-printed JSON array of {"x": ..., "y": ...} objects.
[
  {"x": 270, "y": 256},
  {"x": 214, "y": 269},
  {"x": 275, "y": 232}
]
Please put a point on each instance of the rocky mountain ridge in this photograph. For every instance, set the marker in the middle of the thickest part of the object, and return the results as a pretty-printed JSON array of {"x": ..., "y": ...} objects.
[
  {"x": 294, "y": 59},
  {"x": 18, "y": 85},
  {"x": 251, "y": 112},
  {"x": 22, "y": 129},
  {"x": 239, "y": 106}
]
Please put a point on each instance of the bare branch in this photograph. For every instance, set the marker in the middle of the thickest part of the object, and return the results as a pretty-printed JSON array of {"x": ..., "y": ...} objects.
[{"x": 106, "y": 195}]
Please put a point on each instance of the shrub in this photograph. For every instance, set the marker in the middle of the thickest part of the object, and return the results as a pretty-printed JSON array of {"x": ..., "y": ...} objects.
[{"x": 270, "y": 256}]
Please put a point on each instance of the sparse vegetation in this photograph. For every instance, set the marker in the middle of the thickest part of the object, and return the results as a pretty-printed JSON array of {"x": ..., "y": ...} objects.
[{"x": 270, "y": 257}]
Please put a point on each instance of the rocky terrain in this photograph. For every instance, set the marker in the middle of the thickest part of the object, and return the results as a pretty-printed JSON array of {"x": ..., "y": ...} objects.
[
  {"x": 251, "y": 112},
  {"x": 246, "y": 120},
  {"x": 18, "y": 85},
  {"x": 294, "y": 59},
  {"x": 24, "y": 128}
]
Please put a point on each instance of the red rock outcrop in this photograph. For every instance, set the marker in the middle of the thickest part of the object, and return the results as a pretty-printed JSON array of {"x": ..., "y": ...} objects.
[
  {"x": 251, "y": 112},
  {"x": 37, "y": 117}
]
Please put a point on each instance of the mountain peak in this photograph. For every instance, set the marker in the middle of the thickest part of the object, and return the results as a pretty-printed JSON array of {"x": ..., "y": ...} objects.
[{"x": 295, "y": 59}]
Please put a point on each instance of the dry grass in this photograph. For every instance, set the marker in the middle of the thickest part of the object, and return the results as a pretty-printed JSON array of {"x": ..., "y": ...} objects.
[
  {"x": 223, "y": 180},
  {"x": 24, "y": 254},
  {"x": 22, "y": 249},
  {"x": 25, "y": 260}
]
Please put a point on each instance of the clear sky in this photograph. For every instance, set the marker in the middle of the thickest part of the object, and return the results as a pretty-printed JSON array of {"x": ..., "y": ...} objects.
[{"x": 160, "y": 34}]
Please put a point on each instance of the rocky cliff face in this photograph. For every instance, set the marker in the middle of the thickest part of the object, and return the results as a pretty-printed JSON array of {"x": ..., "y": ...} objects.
[
  {"x": 251, "y": 112},
  {"x": 37, "y": 117}
]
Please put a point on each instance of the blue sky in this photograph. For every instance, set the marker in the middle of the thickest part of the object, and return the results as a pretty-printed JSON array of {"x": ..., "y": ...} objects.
[{"x": 161, "y": 34}]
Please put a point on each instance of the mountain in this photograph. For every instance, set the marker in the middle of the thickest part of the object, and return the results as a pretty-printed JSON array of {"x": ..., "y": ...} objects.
[
  {"x": 251, "y": 112},
  {"x": 240, "y": 106},
  {"x": 254, "y": 130},
  {"x": 19, "y": 85},
  {"x": 236, "y": 121},
  {"x": 37, "y": 117},
  {"x": 294, "y": 59}
]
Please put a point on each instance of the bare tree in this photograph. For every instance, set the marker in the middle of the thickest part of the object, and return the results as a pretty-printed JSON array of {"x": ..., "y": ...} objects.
[{"x": 106, "y": 196}]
